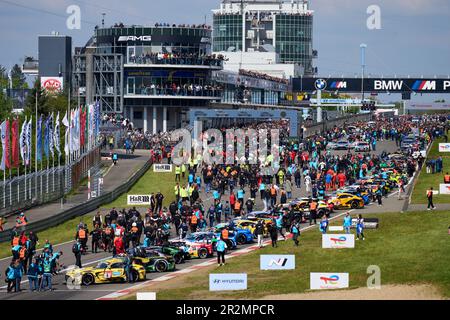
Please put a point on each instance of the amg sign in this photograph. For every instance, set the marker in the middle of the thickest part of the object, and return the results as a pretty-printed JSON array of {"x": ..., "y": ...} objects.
[{"x": 135, "y": 38}]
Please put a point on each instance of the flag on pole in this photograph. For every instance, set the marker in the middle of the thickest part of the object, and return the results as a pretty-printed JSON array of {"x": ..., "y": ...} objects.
[
  {"x": 56, "y": 141},
  {"x": 65, "y": 122},
  {"x": 23, "y": 142},
  {"x": 15, "y": 143},
  {"x": 39, "y": 140},
  {"x": 83, "y": 128},
  {"x": 46, "y": 137},
  {"x": 50, "y": 135},
  {"x": 29, "y": 149},
  {"x": 5, "y": 146}
]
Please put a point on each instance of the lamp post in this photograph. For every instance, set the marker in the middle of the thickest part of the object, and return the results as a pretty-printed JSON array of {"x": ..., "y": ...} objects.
[{"x": 363, "y": 47}]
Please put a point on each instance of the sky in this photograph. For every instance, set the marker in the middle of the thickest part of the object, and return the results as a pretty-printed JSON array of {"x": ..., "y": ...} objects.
[{"x": 414, "y": 38}]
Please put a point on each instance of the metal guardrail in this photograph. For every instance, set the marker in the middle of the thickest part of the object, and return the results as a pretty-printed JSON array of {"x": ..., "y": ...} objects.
[{"x": 81, "y": 209}]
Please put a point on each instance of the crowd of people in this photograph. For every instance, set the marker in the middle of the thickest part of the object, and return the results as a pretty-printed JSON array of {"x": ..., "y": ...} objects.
[
  {"x": 235, "y": 189},
  {"x": 263, "y": 76},
  {"x": 178, "y": 58}
]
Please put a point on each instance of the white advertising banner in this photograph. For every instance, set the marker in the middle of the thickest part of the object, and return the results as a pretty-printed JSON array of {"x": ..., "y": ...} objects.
[
  {"x": 227, "y": 281},
  {"x": 162, "y": 168},
  {"x": 336, "y": 228},
  {"x": 444, "y": 188},
  {"x": 277, "y": 262},
  {"x": 444, "y": 147},
  {"x": 326, "y": 281},
  {"x": 137, "y": 200},
  {"x": 52, "y": 84},
  {"x": 338, "y": 241}
]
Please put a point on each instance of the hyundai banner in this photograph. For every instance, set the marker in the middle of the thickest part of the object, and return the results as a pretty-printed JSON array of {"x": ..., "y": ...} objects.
[
  {"x": 338, "y": 241},
  {"x": 227, "y": 282},
  {"x": 444, "y": 147},
  {"x": 327, "y": 281},
  {"x": 277, "y": 262},
  {"x": 138, "y": 200}
]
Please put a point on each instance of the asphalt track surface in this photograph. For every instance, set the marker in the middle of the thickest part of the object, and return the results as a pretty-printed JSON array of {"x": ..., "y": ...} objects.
[{"x": 62, "y": 292}]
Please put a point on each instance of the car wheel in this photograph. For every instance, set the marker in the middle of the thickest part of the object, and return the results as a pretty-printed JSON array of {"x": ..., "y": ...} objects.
[
  {"x": 203, "y": 253},
  {"x": 229, "y": 244},
  {"x": 320, "y": 214},
  {"x": 88, "y": 279},
  {"x": 178, "y": 258},
  {"x": 161, "y": 266},
  {"x": 241, "y": 239},
  {"x": 355, "y": 205},
  {"x": 134, "y": 275}
]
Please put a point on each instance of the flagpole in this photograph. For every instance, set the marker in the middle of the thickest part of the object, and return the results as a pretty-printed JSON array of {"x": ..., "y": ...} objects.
[
  {"x": 18, "y": 165},
  {"x": 36, "y": 151}
]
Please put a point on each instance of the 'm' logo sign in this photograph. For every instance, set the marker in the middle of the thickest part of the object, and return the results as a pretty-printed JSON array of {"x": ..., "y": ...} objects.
[
  {"x": 424, "y": 85},
  {"x": 279, "y": 262},
  {"x": 339, "y": 85}
]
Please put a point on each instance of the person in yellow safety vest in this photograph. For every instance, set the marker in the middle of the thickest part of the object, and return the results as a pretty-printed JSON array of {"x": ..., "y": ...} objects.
[
  {"x": 281, "y": 176},
  {"x": 183, "y": 170},
  {"x": 184, "y": 194},
  {"x": 21, "y": 220},
  {"x": 190, "y": 190},
  {"x": 177, "y": 191},
  {"x": 177, "y": 173},
  {"x": 191, "y": 163},
  {"x": 199, "y": 158}
]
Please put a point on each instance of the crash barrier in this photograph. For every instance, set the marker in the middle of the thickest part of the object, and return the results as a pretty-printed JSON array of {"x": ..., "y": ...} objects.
[
  {"x": 44, "y": 186},
  {"x": 338, "y": 122},
  {"x": 81, "y": 209}
]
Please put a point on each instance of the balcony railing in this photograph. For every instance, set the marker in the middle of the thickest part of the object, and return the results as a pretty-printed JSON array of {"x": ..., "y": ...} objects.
[
  {"x": 182, "y": 92},
  {"x": 202, "y": 61}
]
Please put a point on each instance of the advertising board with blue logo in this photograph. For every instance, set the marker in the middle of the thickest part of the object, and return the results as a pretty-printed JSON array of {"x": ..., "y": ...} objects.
[
  {"x": 227, "y": 281},
  {"x": 277, "y": 262}
]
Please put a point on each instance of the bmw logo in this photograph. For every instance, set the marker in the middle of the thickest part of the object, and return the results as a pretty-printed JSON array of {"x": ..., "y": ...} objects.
[{"x": 320, "y": 84}]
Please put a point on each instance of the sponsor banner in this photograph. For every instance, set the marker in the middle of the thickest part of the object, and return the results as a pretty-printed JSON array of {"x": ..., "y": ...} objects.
[
  {"x": 444, "y": 147},
  {"x": 227, "y": 282},
  {"x": 326, "y": 281},
  {"x": 369, "y": 223},
  {"x": 52, "y": 84},
  {"x": 277, "y": 262},
  {"x": 162, "y": 168},
  {"x": 435, "y": 192},
  {"x": 336, "y": 228},
  {"x": 444, "y": 188},
  {"x": 137, "y": 200},
  {"x": 146, "y": 296},
  {"x": 337, "y": 241}
]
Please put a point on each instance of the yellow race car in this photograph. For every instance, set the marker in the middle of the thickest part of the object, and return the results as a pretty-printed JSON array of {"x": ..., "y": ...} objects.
[
  {"x": 107, "y": 271},
  {"x": 347, "y": 200}
]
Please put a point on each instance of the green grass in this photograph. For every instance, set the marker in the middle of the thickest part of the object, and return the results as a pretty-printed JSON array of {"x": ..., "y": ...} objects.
[
  {"x": 150, "y": 182},
  {"x": 427, "y": 180},
  {"x": 409, "y": 249},
  {"x": 59, "y": 234}
]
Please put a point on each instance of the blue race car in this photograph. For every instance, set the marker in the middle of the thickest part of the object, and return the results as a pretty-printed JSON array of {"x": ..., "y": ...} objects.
[{"x": 236, "y": 235}]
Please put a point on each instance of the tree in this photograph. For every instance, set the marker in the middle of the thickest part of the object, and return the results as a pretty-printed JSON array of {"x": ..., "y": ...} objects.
[
  {"x": 19, "y": 80},
  {"x": 5, "y": 102}
]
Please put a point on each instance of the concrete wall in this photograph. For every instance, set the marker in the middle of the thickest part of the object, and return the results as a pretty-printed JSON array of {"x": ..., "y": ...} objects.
[{"x": 339, "y": 122}]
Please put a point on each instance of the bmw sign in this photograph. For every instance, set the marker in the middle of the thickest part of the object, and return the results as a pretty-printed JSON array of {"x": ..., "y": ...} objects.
[{"x": 320, "y": 84}]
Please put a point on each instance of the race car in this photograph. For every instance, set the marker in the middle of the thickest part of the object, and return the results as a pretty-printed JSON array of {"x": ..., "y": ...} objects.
[
  {"x": 178, "y": 254},
  {"x": 347, "y": 200},
  {"x": 198, "y": 245},
  {"x": 251, "y": 226},
  {"x": 236, "y": 236},
  {"x": 107, "y": 271},
  {"x": 152, "y": 260},
  {"x": 302, "y": 204}
]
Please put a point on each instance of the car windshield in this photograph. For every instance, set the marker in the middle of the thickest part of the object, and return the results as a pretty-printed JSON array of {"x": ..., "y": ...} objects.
[{"x": 102, "y": 265}]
